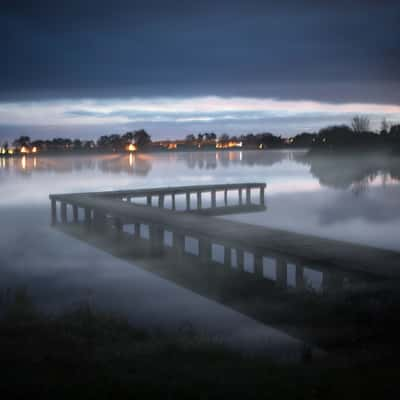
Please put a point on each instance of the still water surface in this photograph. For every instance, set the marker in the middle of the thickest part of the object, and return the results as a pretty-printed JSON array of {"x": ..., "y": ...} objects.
[{"x": 355, "y": 199}]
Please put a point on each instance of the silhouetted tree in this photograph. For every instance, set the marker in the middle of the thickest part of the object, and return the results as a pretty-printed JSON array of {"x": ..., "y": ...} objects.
[
  {"x": 360, "y": 124},
  {"x": 142, "y": 138},
  {"x": 22, "y": 141},
  {"x": 385, "y": 127},
  {"x": 224, "y": 137},
  {"x": 77, "y": 143}
]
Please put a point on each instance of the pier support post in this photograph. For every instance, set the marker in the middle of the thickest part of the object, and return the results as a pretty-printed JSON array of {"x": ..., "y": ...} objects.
[
  {"x": 173, "y": 202},
  {"x": 258, "y": 265},
  {"x": 299, "y": 277},
  {"x": 248, "y": 196},
  {"x": 64, "y": 213},
  {"x": 240, "y": 196},
  {"x": 226, "y": 197},
  {"x": 199, "y": 200},
  {"x": 213, "y": 199},
  {"x": 204, "y": 250},
  {"x": 262, "y": 195},
  {"x": 179, "y": 244},
  {"x": 240, "y": 259},
  {"x": 188, "y": 201},
  {"x": 161, "y": 201},
  {"x": 75, "y": 212},
  {"x": 53, "y": 212},
  {"x": 156, "y": 240},
  {"x": 118, "y": 226},
  {"x": 281, "y": 273},
  {"x": 227, "y": 257},
  {"x": 137, "y": 230},
  {"x": 148, "y": 200},
  {"x": 88, "y": 218},
  {"x": 99, "y": 221}
]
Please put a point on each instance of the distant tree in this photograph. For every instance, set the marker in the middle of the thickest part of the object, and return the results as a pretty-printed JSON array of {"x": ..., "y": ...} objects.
[
  {"x": 224, "y": 137},
  {"x": 200, "y": 137},
  {"x": 142, "y": 138},
  {"x": 304, "y": 139},
  {"x": 128, "y": 137},
  {"x": 88, "y": 144},
  {"x": 336, "y": 135},
  {"x": 360, "y": 124},
  {"x": 22, "y": 141},
  {"x": 77, "y": 143},
  {"x": 385, "y": 127},
  {"x": 395, "y": 131}
]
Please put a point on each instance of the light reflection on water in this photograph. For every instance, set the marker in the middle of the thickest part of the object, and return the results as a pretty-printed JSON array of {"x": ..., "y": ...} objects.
[{"x": 348, "y": 198}]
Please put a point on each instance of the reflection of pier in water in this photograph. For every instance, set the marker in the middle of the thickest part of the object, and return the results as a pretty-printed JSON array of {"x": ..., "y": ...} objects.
[{"x": 254, "y": 270}]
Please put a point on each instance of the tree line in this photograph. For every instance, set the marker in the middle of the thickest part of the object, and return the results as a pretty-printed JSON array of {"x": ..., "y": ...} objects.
[{"x": 357, "y": 134}]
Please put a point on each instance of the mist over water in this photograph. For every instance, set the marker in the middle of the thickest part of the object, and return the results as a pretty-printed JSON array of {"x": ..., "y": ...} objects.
[{"x": 351, "y": 198}]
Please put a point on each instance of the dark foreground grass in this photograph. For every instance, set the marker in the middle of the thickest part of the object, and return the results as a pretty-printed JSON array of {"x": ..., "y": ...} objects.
[{"x": 90, "y": 355}]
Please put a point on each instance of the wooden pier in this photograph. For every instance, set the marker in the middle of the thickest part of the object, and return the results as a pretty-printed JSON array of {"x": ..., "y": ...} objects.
[{"x": 120, "y": 208}]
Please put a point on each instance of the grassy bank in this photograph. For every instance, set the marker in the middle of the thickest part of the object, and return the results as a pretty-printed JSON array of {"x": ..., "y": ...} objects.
[{"x": 85, "y": 354}]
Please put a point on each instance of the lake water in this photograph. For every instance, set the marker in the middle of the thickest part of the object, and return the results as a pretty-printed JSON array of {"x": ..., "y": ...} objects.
[{"x": 350, "y": 198}]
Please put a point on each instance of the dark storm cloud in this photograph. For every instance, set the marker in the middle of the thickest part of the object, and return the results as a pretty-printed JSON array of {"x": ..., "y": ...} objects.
[{"x": 288, "y": 49}]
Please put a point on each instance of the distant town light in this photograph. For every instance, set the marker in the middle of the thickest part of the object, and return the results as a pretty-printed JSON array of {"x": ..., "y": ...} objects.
[
  {"x": 228, "y": 145},
  {"x": 10, "y": 151},
  {"x": 131, "y": 147},
  {"x": 34, "y": 149},
  {"x": 24, "y": 150}
]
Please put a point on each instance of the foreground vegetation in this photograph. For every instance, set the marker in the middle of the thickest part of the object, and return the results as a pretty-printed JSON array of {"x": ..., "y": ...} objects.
[{"x": 85, "y": 354}]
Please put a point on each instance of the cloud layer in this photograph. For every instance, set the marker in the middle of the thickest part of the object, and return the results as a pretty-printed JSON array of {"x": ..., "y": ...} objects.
[{"x": 321, "y": 54}]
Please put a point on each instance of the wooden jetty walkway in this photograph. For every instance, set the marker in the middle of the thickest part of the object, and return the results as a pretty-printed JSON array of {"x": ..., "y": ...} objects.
[{"x": 121, "y": 208}]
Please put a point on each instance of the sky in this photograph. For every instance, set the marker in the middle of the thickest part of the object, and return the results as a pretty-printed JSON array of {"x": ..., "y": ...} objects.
[{"x": 86, "y": 68}]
